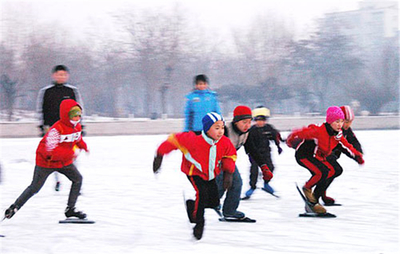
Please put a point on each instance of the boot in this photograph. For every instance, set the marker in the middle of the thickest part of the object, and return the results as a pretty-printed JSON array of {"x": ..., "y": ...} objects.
[
  {"x": 235, "y": 215},
  {"x": 10, "y": 211},
  {"x": 71, "y": 212},
  {"x": 309, "y": 195},
  {"x": 198, "y": 230},
  {"x": 268, "y": 188},
  {"x": 189, "y": 210},
  {"x": 327, "y": 200},
  {"x": 249, "y": 193},
  {"x": 317, "y": 208}
]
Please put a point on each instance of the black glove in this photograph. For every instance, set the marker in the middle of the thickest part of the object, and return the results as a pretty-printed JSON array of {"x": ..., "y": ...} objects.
[
  {"x": 279, "y": 150},
  {"x": 157, "y": 163},
  {"x": 228, "y": 177}
]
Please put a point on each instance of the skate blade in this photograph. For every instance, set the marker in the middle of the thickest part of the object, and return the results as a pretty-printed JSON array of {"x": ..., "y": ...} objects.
[
  {"x": 76, "y": 221},
  {"x": 318, "y": 215}
]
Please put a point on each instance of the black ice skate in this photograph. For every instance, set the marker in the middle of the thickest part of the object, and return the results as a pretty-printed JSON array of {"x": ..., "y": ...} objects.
[
  {"x": 10, "y": 212},
  {"x": 71, "y": 212},
  {"x": 198, "y": 230}
]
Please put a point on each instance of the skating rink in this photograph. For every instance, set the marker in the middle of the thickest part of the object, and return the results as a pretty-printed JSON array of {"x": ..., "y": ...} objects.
[{"x": 138, "y": 212}]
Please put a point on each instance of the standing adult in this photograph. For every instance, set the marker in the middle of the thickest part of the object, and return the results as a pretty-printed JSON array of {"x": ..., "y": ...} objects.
[
  {"x": 199, "y": 102},
  {"x": 50, "y": 98}
]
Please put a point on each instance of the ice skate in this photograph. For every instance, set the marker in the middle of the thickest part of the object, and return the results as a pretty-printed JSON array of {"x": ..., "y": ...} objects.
[
  {"x": 71, "y": 212},
  {"x": 10, "y": 212},
  {"x": 248, "y": 194},
  {"x": 267, "y": 188},
  {"x": 198, "y": 230},
  {"x": 317, "y": 208},
  {"x": 328, "y": 201},
  {"x": 309, "y": 195}
]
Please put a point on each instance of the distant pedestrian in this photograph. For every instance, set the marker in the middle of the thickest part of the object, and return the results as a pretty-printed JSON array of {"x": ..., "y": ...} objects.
[{"x": 199, "y": 102}]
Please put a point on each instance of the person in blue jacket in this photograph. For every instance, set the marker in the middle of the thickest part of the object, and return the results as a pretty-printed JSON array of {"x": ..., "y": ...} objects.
[{"x": 198, "y": 103}]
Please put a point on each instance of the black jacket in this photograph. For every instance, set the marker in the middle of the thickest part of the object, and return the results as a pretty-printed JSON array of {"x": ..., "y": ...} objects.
[
  {"x": 50, "y": 98},
  {"x": 259, "y": 139},
  {"x": 255, "y": 150},
  {"x": 351, "y": 138}
]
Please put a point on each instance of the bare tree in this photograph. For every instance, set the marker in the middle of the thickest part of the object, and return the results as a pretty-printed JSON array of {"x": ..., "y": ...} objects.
[
  {"x": 10, "y": 90},
  {"x": 156, "y": 41}
]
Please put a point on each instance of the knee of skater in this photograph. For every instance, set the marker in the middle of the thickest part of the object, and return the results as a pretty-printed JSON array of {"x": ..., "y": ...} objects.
[{"x": 78, "y": 180}]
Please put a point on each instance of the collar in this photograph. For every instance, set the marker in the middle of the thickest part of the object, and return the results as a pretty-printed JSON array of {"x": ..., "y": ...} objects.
[
  {"x": 58, "y": 85},
  {"x": 209, "y": 140},
  {"x": 235, "y": 129},
  {"x": 331, "y": 132}
]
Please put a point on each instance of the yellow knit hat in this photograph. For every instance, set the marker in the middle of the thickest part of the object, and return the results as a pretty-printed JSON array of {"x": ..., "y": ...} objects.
[
  {"x": 261, "y": 113},
  {"x": 74, "y": 111}
]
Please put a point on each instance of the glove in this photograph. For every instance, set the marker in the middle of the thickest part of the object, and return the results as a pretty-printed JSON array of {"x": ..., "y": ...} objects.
[
  {"x": 289, "y": 141},
  {"x": 279, "y": 150},
  {"x": 359, "y": 159},
  {"x": 157, "y": 163},
  {"x": 267, "y": 174},
  {"x": 228, "y": 178}
]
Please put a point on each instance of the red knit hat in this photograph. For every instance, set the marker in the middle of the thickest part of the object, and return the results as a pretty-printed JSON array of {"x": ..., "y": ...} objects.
[
  {"x": 348, "y": 113},
  {"x": 241, "y": 112}
]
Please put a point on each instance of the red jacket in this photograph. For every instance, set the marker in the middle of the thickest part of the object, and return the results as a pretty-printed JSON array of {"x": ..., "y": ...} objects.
[
  {"x": 56, "y": 149},
  {"x": 201, "y": 155},
  {"x": 319, "y": 141}
]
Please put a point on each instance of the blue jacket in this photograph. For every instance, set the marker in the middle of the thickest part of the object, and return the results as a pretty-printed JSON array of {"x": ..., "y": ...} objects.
[{"x": 198, "y": 104}]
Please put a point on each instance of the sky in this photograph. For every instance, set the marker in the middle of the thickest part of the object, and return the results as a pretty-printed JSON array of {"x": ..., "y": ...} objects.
[{"x": 219, "y": 16}]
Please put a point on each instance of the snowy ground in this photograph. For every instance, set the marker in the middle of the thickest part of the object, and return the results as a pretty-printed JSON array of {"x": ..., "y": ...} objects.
[{"x": 136, "y": 212}]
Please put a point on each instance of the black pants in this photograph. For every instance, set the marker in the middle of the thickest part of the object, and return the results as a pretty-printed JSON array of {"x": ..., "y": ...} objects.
[
  {"x": 332, "y": 164},
  {"x": 206, "y": 197},
  {"x": 254, "y": 172},
  {"x": 39, "y": 178},
  {"x": 322, "y": 173}
]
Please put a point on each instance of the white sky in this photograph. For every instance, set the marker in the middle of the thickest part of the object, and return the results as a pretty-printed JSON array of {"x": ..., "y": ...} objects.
[{"x": 216, "y": 15}]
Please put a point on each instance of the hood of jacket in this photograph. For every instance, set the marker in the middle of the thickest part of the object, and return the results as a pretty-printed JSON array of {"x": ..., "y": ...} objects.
[{"x": 65, "y": 107}]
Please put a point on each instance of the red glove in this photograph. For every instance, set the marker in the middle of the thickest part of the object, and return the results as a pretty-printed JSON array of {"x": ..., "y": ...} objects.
[
  {"x": 289, "y": 141},
  {"x": 267, "y": 174},
  {"x": 359, "y": 159}
]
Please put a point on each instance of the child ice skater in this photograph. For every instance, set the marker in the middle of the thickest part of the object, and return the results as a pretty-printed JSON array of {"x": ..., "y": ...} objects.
[
  {"x": 313, "y": 145},
  {"x": 338, "y": 150},
  {"x": 56, "y": 153},
  {"x": 204, "y": 157},
  {"x": 260, "y": 134}
]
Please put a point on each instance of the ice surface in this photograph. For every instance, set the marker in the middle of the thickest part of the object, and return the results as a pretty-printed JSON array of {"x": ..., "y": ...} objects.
[{"x": 137, "y": 212}]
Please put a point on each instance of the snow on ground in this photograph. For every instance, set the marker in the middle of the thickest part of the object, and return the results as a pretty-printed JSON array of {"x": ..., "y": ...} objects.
[{"x": 137, "y": 212}]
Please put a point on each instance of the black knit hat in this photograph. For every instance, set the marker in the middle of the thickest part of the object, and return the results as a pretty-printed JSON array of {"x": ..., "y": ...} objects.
[
  {"x": 60, "y": 68},
  {"x": 200, "y": 78}
]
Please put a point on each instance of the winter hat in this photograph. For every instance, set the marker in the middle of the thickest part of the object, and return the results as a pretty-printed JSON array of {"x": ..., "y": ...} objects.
[
  {"x": 241, "y": 112},
  {"x": 74, "y": 111},
  {"x": 209, "y": 119},
  {"x": 334, "y": 113},
  {"x": 261, "y": 113},
  {"x": 348, "y": 113},
  {"x": 200, "y": 78}
]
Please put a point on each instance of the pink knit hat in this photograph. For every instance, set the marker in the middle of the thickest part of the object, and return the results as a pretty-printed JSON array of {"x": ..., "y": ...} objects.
[{"x": 334, "y": 113}]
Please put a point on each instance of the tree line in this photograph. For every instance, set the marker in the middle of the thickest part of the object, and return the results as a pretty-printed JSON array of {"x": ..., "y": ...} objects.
[{"x": 149, "y": 70}]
